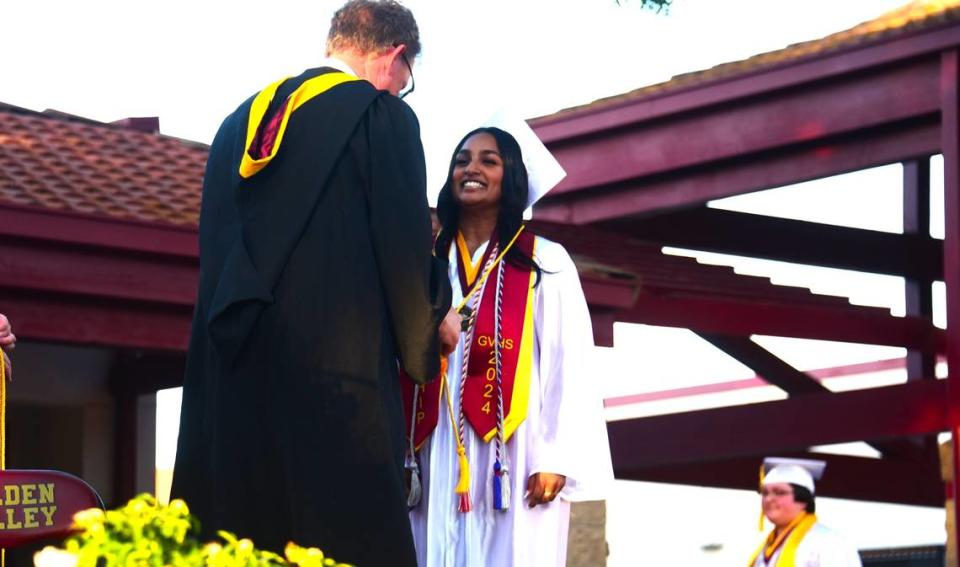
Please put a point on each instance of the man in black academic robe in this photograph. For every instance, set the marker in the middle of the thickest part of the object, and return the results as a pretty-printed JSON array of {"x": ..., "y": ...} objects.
[{"x": 315, "y": 281}]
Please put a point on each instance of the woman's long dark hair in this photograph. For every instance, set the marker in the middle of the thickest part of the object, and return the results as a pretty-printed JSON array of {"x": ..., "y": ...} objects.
[{"x": 513, "y": 200}]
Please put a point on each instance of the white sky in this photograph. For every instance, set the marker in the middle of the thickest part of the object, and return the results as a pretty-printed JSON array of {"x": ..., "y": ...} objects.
[{"x": 192, "y": 62}]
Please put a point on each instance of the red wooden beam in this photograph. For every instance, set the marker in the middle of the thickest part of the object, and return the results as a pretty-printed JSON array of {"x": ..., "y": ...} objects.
[
  {"x": 796, "y": 382},
  {"x": 697, "y": 185},
  {"x": 918, "y": 294},
  {"x": 730, "y": 317},
  {"x": 820, "y": 111},
  {"x": 950, "y": 142},
  {"x": 914, "y": 408},
  {"x": 97, "y": 271},
  {"x": 109, "y": 232},
  {"x": 620, "y": 111},
  {"x": 717, "y": 387},
  {"x": 608, "y": 293},
  {"x": 767, "y": 365},
  {"x": 788, "y": 240},
  {"x": 874, "y": 480},
  {"x": 602, "y": 321},
  {"x": 90, "y": 321}
]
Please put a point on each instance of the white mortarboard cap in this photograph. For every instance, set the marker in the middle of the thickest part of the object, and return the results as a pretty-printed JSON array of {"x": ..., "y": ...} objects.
[
  {"x": 793, "y": 471},
  {"x": 543, "y": 170}
]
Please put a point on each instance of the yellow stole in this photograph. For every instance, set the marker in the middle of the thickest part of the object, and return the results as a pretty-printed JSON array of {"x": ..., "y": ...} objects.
[
  {"x": 310, "y": 88},
  {"x": 789, "y": 538}
]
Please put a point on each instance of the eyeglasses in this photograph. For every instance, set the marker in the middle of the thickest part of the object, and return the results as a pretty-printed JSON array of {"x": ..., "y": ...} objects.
[
  {"x": 412, "y": 85},
  {"x": 778, "y": 492}
]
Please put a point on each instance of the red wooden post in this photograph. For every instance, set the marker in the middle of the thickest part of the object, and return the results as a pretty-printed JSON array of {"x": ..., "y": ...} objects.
[
  {"x": 950, "y": 146},
  {"x": 919, "y": 297}
]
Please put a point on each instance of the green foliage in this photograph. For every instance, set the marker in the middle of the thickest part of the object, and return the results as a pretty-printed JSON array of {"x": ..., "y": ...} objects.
[
  {"x": 145, "y": 533},
  {"x": 658, "y": 6}
]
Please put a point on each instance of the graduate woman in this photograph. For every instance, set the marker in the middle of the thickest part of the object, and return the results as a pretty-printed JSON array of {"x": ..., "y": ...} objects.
[{"x": 513, "y": 430}]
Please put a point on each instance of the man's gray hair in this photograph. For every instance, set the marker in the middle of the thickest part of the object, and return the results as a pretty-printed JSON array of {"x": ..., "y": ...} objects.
[{"x": 373, "y": 26}]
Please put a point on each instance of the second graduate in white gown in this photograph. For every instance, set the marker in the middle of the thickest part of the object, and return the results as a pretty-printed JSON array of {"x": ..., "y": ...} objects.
[{"x": 798, "y": 539}]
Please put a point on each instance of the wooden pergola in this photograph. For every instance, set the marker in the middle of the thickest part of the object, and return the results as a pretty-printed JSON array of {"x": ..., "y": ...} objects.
[{"x": 641, "y": 168}]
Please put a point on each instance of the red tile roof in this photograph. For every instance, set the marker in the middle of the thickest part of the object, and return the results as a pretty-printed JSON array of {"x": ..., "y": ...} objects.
[
  {"x": 57, "y": 161},
  {"x": 914, "y": 17}
]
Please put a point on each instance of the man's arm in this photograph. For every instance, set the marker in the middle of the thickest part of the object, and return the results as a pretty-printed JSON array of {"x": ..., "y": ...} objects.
[{"x": 416, "y": 285}]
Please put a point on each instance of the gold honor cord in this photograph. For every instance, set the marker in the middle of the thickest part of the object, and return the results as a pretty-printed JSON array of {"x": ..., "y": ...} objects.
[
  {"x": 463, "y": 483},
  {"x": 490, "y": 268}
]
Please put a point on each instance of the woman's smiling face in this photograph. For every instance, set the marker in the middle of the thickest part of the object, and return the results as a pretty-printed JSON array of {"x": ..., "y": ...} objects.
[{"x": 478, "y": 172}]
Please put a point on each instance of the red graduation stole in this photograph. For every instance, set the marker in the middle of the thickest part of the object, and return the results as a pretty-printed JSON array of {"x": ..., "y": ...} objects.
[{"x": 479, "y": 389}]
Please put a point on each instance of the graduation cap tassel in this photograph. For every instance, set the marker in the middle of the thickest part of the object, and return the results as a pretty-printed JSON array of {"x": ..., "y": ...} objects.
[
  {"x": 463, "y": 484},
  {"x": 415, "y": 492},
  {"x": 762, "y": 475},
  {"x": 497, "y": 487},
  {"x": 505, "y": 488},
  {"x": 501, "y": 486}
]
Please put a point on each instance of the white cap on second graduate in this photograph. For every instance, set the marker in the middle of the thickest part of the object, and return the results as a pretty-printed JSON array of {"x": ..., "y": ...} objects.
[
  {"x": 544, "y": 172},
  {"x": 801, "y": 472}
]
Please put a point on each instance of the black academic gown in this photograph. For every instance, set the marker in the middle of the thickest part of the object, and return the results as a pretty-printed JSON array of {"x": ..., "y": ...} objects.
[{"x": 315, "y": 280}]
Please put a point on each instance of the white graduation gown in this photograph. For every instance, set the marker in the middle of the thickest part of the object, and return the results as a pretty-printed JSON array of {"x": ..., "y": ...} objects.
[
  {"x": 564, "y": 433},
  {"x": 821, "y": 547}
]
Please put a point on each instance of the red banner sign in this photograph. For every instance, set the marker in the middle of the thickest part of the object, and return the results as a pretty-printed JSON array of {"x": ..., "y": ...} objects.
[{"x": 40, "y": 504}]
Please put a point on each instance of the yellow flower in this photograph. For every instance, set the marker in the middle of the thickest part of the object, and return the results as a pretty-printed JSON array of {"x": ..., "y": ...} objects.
[
  {"x": 302, "y": 556},
  {"x": 88, "y": 517},
  {"x": 96, "y": 530},
  {"x": 136, "y": 507},
  {"x": 52, "y": 557},
  {"x": 179, "y": 507}
]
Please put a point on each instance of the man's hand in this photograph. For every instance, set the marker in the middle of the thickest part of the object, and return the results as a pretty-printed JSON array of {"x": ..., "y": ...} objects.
[
  {"x": 449, "y": 332},
  {"x": 543, "y": 487}
]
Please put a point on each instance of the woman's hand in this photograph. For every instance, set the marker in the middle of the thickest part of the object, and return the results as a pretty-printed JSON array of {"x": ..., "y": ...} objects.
[{"x": 543, "y": 487}]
